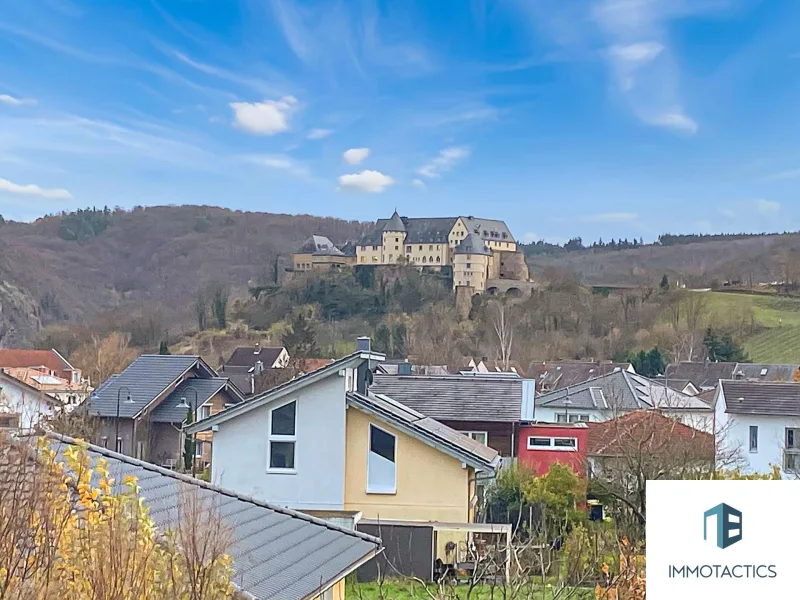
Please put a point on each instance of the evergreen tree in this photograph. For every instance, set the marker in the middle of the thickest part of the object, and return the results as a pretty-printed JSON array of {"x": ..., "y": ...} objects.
[
  {"x": 301, "y": 340},
  {"x": 163, "y": 348},
  {"x": 188, "y": 445},
  {"x": 649, "y": 364},
  {"x": 664, "y": 283},
  {"x": 723, "y": 348},
  {"x": 399, "y": 341}
]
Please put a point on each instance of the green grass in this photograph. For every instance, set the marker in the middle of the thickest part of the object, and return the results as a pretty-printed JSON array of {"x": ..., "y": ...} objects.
[
  {"x": 411, "y": 590},
  {"x": 779, "y": 343}
]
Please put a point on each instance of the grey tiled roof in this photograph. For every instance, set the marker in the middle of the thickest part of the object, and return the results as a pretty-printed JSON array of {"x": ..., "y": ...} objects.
[
  {"x": 485, "y": 227},
  {"x": 551, "y": 376},
  {"x": 620, "y": 390},
  {"x": 145, "y": 379},
  {"x": 428, "y": 430},
  {"x": 757, "y": 398},
  {"x": 701, "y": 374},
  {"x": 166, "y": 411},
  {"x": 316, "y": 243},
  {"x": 473, "y": 244},
  {"x": 455, "y": 397},
  {"x": 395, "y": 223},
  {"x": 766, "y": 372},
  {"x": 278, "y": 554},
  {"x": 418, "y": 231}
]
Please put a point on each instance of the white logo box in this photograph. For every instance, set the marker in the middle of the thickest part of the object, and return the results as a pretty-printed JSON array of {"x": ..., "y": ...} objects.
[{"x": 770, "y": 541}]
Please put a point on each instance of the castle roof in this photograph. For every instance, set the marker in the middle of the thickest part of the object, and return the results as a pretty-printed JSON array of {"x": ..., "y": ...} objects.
[
  {"x": 473, "y": 244},
  {"x": 395, "y": 223}
]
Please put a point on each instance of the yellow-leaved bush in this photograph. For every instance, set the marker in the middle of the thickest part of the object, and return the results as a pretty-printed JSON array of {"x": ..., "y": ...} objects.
[{"x": 67, "y": 532}]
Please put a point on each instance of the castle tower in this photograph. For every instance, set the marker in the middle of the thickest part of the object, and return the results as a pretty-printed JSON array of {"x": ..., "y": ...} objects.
[
  {"x": 472, "y": 259},
  {"x": 393, "y": 240}
]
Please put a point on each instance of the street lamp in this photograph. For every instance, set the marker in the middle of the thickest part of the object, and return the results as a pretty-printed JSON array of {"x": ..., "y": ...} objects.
[
  {"x": 567, "y": 404},
  {"x": 185, "y": 404},
  {"x": 128, "y": 400}
]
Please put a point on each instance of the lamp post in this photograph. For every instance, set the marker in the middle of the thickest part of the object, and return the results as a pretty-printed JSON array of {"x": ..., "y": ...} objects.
[
  {"x": 128, "y": 400},
  {"x": 567, "y": 404},
  {"x": 185, "y": 404}
]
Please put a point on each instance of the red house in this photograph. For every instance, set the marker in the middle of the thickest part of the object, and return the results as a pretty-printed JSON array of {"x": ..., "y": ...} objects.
[{"x": 540, "y": 445}]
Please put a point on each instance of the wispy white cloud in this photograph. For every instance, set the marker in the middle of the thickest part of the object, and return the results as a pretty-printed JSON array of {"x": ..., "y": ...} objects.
[
  {"x": 264, "y": 118},
  {"x": 372, "y": 182},
  {"x": 318, "y": 134},
  {"x": 257, "y": 84},
  {"x": 418, "y": 183},
  {"x": 674, "y": 119},
  {"x": 728, "y": 212},
  {"x": 615, "y": 217},
  {"x": 282, "y": 163},
  {"x": 355, "y": 156},
  {"x": 767, "y": 207},
  {"x": 12, "y": 101},
  {"x": 445, "y": 161},
  {"x": 33, "y": 190}
]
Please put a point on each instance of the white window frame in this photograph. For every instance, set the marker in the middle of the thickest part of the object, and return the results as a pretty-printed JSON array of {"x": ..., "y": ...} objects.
[
  {"x": 753, "y": 448},
  {"x": 472, "y": 435},
  {"x": 282, "y": 438},
  {"x": 198, "y": 416},
  {"x": 198, "y": 448},
  {"x": 385, "y": 491},
  {"x": 552, "y": 447},
  {"x": 119, "y": 446},
  {"x": 572, "y": 418}
]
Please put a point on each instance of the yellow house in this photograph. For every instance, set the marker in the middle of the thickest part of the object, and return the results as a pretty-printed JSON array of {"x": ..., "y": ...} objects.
[
  {"x": 318, "y": 253},
  {"x": 322, "y": 442}
]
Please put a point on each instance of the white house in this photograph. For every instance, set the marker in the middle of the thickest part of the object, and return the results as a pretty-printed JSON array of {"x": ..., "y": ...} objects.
[
  {"x": 618, "y": 393},
  {"x": 21, "y": 405},
  {"x": 758, "y": 426}
]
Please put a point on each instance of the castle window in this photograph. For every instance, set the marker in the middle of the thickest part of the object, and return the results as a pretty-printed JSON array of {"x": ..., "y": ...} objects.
[
  {"x": 363, "y": 259},
  {"x": 430, "y": 247},
  {"x": 431, "y": 259},
  {"x": 424, "y": 259},
  {"x": 374, "y": 259},
  {"x": 374, "y": 247},
  {"x": 408, "y": 248},
  {"x": 397, "y": 247},
  {"x": 469, "y": 265},
  {"x": 391, "y": 256},
  {"x": 420, "y": 247},
  {"x": 437, "y": 259}
]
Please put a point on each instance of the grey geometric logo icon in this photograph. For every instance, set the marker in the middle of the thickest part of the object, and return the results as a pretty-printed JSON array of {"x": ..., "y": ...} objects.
[{"x": 729, "y": 525}]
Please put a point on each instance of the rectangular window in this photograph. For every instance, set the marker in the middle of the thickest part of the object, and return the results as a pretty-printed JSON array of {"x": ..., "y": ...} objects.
[
  {"x": 283, "y": 437},
  {"x": 408, "y": 248},
  {"x": 564, "y": 444},
  {"x": 203, "y": 412},
  {"x": 119, "y": 446},
  {"x": 198, "y": 448},
  {"x": 479, "y": 436},
  {"x": 381, "y": 462},
  {"x": 792, "y": 438},
  {"x": 430, "y": 247},
  {"x": 753, "y": 438},
  {"x": 572, "y": 418}
]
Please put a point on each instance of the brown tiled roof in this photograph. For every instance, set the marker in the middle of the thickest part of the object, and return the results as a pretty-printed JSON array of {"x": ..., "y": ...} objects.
[
  {"x": 245, "y": 356},
  {"x": 11, "y": 358},
  {"x": 647, "y": 430}
]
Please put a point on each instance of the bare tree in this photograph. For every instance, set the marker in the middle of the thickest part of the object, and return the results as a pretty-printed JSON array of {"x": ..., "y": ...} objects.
[{"x": 502, "y": 323}]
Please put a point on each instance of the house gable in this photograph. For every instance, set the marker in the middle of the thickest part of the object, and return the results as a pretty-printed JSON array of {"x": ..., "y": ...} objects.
[
  {"x": 430, "y": 485},
  {"x": 314, "y": 479}
]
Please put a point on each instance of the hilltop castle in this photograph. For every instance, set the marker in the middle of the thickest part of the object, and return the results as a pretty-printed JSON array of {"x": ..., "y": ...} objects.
[{"x": 478, "y": 250}]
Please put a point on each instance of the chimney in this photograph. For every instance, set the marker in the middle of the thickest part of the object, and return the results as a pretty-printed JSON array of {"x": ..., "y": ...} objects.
[
  {"x": 363, "y": 344},
  {"x": 258, "y": 348}
]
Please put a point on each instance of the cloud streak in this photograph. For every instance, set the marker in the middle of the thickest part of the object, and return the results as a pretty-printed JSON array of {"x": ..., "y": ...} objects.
[
  {"x": 33, "y": 190},
  {"x": 447, "y": 159},
  {"x": 12, "y": 101},
  {"x": 355, "y": 156}
]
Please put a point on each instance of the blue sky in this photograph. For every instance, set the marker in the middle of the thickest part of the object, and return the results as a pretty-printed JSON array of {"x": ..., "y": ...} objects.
[{"x": 594, "y": 117}]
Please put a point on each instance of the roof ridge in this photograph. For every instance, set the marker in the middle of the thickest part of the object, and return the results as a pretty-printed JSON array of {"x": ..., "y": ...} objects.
[{"x": 209, "y": 486}]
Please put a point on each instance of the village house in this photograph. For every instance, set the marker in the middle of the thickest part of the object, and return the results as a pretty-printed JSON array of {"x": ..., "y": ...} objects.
[
  {"x": 541, "y": 445},
  {"x": 697, "y": 377},
  {"x": 556, "y": 375},
  {"x": 68, "y": 394},
  {"x": 276, "y": 553},
  {"x": 331, "y": 444},
  {"x": 486, "y": 407},
  {"x": 144, "y": 407},
  {"x": 22, "y": 406},
  {"x": 617, "y": 393},
  {"x": 758, "y": 425}
]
